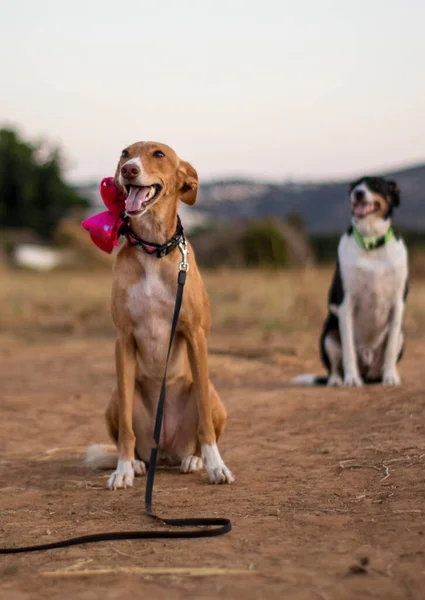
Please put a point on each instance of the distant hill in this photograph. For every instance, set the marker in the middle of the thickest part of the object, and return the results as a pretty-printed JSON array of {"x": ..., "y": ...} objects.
[{"x": 323, "y": 206}]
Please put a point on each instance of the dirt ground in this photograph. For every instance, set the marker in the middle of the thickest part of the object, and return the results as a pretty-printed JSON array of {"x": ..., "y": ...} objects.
[{"x": 329, "y": 498}]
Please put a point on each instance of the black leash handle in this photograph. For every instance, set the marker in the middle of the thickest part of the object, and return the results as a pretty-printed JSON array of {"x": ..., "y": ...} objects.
[{"x": 220, "y": 526}]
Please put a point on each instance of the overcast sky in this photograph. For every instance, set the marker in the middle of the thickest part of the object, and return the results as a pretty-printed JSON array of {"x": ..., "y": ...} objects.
[{"x": 265, "y": 88}]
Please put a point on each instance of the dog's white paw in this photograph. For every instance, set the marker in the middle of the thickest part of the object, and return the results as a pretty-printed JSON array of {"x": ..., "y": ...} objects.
[
  {"x": 139, "y": 467},
  {"x": 353, "y": 380},
  {"x": 190, "y": 464},
  {"x": 214, "y": 464},
  {"x": 123, "y": 476},
  {"x": 335, "y": 381},
  {"x": 220, "y": 475},
  {"x": 391, "y": 377}
]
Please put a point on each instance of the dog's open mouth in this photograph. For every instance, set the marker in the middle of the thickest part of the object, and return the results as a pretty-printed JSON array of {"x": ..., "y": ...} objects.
[
  {"x": 362, "y": 210},
  {"x": 140, "y": 197}
]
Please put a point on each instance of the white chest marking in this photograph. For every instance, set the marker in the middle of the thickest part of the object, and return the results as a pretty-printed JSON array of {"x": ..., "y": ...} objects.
[
  {"x": 150, "y": 303},
  {"x": 372, "y": 282},
  {"x": 151, "y": 289}
]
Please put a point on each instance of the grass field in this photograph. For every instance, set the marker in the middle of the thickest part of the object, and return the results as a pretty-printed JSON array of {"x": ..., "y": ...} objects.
[
  {"x": 329, "y": 498},
  {"x": 252, "y": 303}
]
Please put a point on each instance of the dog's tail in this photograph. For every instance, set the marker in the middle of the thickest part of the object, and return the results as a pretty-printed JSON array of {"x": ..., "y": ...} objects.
[
  {"x": 309, "y": 380},
  {"x": 101, "y": 456}
]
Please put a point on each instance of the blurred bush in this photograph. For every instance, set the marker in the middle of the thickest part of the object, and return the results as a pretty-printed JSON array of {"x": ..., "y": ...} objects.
[
  {"x": 268, "y": 243},
  {"x": 263, "y": 245}
]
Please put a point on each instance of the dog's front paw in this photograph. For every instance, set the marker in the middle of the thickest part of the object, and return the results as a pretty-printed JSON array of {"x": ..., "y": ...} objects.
[
  {"x": 335, "y": 381},
  {"x": 391, "y": 377},
  {"x": 123, "y": 476},
  {"x": 214, "y": 464},
  {"x": 353, "y": 380},
  {"x": 220, "y": 475},
  {"x": 190, "y": 464},
  {"x": 139, "y": 467}
]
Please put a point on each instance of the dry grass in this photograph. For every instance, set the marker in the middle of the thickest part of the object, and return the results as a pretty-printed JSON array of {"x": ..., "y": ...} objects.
[{"x": 258, "y": 304}]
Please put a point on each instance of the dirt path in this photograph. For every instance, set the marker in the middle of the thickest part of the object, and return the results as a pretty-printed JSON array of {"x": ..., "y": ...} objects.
[{"x": 326, "y": 479}]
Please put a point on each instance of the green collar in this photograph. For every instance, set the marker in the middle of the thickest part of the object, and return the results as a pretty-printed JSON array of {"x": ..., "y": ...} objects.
[{"x": 372, "y": 242}]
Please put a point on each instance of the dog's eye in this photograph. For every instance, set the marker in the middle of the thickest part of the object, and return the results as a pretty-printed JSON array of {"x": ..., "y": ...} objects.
[
  {"x": 158, "y": 154},
  {"x": 124, "y": 154}
]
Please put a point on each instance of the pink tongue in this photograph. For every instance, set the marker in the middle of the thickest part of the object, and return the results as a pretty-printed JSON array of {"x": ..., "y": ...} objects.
[
  {"x": 135, "y": 197},
  {"x": 364, "y": 210}
]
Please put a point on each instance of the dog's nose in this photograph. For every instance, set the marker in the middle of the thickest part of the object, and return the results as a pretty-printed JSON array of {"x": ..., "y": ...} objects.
[
  {"x": 359, "y": 195},
  {"x": 130, "y": 171}
]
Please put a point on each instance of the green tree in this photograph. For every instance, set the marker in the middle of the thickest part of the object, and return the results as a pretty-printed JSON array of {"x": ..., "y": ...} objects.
[{"x": 33, "y": 193}]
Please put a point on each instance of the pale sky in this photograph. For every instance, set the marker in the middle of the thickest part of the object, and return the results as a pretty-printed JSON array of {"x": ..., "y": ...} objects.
[{"x": 264, "y": 89}]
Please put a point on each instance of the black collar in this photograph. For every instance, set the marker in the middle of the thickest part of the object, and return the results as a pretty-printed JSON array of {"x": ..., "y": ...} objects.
[{"x": 160, "y": 250}]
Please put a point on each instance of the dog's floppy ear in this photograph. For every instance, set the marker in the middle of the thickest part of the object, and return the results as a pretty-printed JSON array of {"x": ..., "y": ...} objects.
[
  {"x": 394, "y": 192},
  {"x": 188, "y": 183}
]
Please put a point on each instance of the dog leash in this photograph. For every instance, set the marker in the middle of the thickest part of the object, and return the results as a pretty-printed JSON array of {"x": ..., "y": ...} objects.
[{"x": 218, "y": 526}]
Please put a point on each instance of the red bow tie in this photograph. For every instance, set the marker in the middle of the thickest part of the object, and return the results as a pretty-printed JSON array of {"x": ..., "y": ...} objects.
[{"x": 104, "y": 228}]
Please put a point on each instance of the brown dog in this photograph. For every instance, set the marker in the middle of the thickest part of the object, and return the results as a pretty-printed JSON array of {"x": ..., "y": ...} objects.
[{"x": 143, "y": 296}]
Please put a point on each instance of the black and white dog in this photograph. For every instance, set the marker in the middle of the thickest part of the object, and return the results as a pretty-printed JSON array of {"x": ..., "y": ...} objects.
[{"x": 362, "y": 339}]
